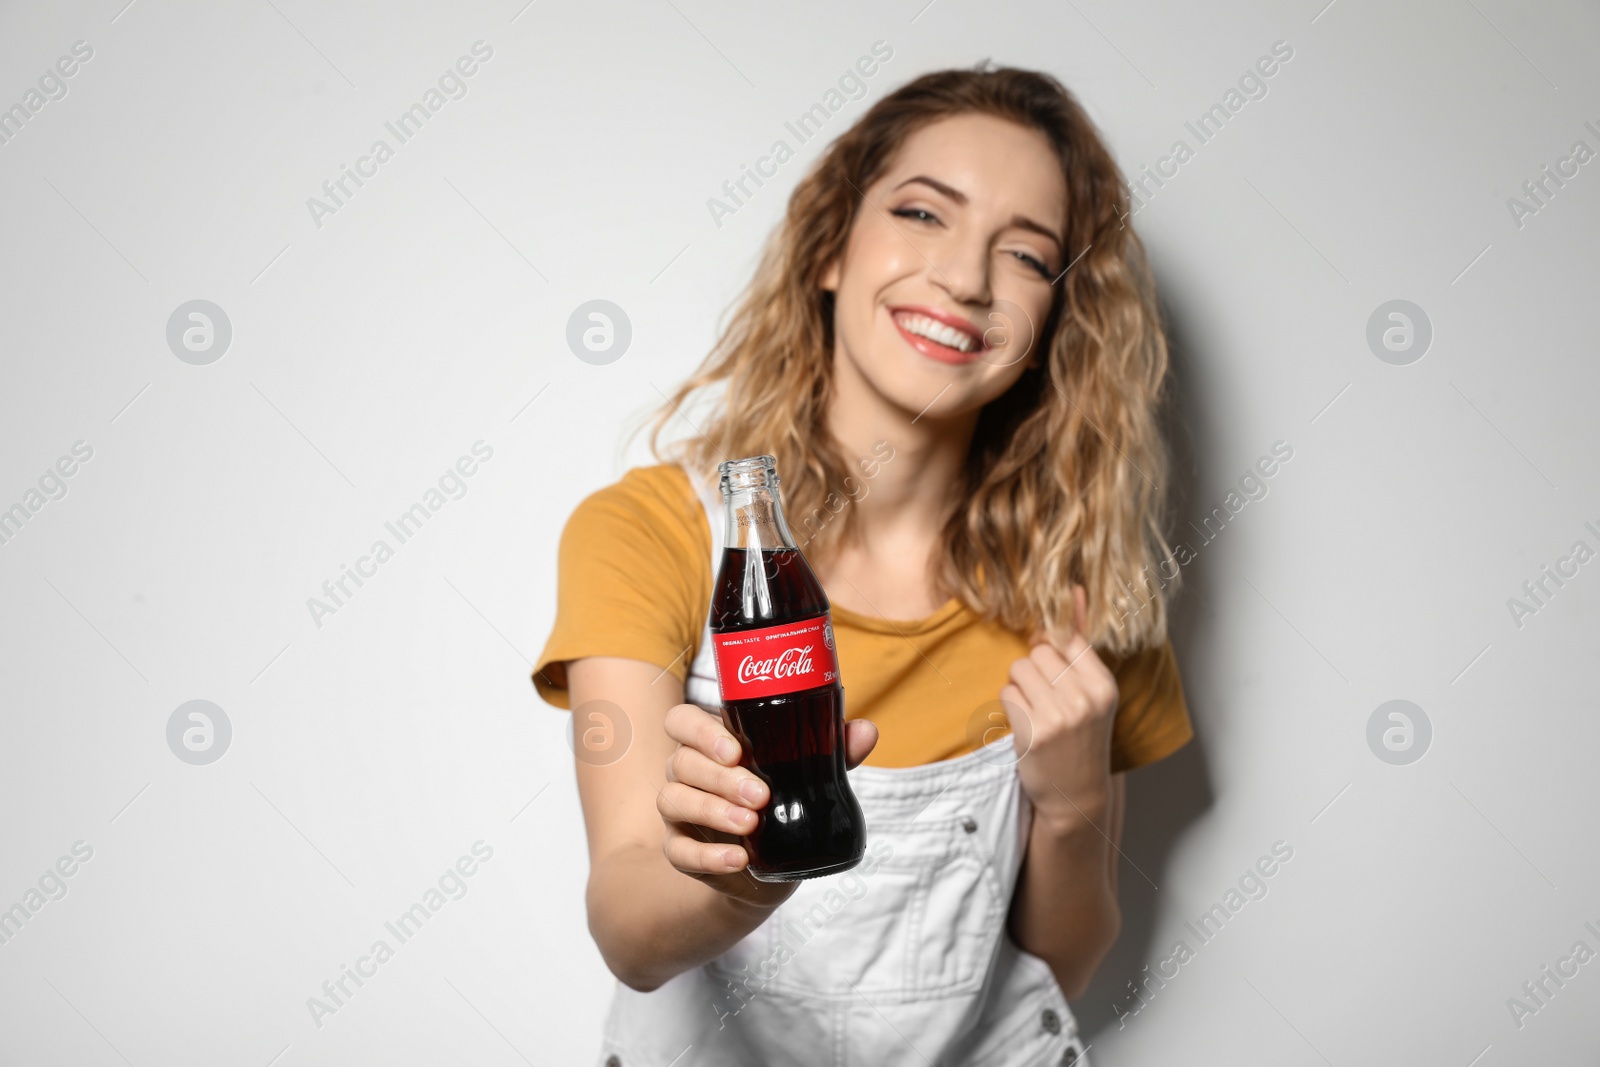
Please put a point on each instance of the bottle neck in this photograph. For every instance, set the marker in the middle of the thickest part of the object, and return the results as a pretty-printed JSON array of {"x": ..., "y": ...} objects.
[{"x": 753, "y": 519}]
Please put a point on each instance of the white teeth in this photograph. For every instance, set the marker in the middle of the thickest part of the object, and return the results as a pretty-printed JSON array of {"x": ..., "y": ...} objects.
[{"x": 934, "y": 330}]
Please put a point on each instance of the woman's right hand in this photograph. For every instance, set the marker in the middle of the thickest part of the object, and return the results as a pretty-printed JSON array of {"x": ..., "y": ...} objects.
[{"x": 710, "y": 802}]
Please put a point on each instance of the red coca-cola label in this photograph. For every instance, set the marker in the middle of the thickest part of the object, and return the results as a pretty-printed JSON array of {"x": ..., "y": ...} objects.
[{"x": 774, "y": 660}]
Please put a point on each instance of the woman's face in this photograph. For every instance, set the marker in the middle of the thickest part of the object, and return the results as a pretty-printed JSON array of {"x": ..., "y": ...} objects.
[{"x": 947, "y": 274}]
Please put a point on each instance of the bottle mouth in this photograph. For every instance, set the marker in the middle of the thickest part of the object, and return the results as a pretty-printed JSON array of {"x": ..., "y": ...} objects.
[{"x": 755, "y": 472}]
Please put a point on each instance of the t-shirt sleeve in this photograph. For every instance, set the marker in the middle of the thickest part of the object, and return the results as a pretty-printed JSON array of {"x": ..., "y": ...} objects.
[
  {"x": 633, "y": 579},
  {"x": 1152, "y": 716}
]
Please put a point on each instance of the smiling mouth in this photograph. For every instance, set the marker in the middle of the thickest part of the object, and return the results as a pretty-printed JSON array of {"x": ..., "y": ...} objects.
[{"x": 967, "y": 342}]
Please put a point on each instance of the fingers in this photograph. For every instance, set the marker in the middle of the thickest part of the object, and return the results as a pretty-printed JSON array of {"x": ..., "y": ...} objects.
[
  {"x": 1074, "y": 677},
  {"x": 736, "y": 785},
  {"x": 1019, "y": 714},
  {"x": 691, "y": 725},
  {"x": 860, "y": 738},
  {"x": 1074, "y": 661},
  {"x": 692, "y": 854},
  {"x": 683, "y": 803},
  {"x": 1034, "y": 685},
  {"x": 707, "y": 795}
]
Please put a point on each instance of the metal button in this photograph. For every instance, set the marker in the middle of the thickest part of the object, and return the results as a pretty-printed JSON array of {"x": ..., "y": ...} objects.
[
  {"x": 1051, "y": 1021},
  {"x": 969, "y": 824},
  {"x": 1069, "y": 1057}
]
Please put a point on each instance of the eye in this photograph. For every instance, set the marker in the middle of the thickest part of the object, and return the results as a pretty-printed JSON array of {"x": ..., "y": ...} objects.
[
  {"x": 1034, "y": 262},
  {"x": 920, "y": 214}
]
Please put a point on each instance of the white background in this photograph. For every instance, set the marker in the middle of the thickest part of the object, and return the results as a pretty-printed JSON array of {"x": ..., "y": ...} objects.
[{"x": 368, "y": 353}]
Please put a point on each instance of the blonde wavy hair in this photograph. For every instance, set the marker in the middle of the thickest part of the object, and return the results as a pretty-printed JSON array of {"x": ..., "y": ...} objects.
[{"x": 1065, "y": 480}]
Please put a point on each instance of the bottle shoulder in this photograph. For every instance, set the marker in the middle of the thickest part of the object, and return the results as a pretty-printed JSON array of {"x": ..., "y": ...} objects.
[{"x": 778, "y": 588}]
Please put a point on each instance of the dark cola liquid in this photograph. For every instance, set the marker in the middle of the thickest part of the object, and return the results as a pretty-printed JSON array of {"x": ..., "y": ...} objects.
[{"x": 795, "y": 742}]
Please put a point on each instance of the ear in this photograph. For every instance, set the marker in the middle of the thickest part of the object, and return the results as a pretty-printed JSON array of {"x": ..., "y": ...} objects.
[{"x": 830, "y": 277}]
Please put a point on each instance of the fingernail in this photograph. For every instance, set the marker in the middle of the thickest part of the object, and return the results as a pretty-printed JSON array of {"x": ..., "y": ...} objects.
[
  {"x": 731, "y": 858},
  {"x": 726, "y": 750},
  {"x": 752, "y": 790},
  {"x": 741, "y": 816}
]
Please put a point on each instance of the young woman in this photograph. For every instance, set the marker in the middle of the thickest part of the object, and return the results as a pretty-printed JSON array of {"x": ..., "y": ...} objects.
[{"x": 952, "y": 349}]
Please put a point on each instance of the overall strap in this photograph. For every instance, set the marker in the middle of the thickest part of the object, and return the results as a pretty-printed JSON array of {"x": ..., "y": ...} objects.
[{"x": 701, "y": 687}]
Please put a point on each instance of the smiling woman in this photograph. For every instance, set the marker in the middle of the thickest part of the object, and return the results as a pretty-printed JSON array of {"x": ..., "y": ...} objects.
[{"x": 954, "y": 280}]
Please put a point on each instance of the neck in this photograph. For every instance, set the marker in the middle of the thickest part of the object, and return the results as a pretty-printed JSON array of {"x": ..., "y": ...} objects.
[{"x": 907, "y": 501}]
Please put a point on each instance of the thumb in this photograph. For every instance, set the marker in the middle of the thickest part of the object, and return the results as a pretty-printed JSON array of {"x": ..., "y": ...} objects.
[
  {"x": 860, "y": 738},
  {"x": 1076, "y": 625}
]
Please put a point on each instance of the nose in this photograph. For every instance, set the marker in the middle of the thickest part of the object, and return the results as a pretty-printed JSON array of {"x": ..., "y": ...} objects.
[{"x": 964, "y": 271}]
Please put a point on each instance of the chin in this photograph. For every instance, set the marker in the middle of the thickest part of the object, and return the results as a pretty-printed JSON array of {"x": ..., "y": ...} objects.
[{"x": 914, "y": 389}]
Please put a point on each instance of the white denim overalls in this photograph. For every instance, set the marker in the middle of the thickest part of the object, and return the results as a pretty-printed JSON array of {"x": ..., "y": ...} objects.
[{"x": 903, "y": 960}]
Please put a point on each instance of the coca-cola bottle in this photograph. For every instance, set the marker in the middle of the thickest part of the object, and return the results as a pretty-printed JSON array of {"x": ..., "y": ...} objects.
[{"x": 781, "y": 694}]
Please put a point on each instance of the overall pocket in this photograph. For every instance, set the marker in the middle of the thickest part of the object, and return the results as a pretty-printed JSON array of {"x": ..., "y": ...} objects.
[{"x": 917, "y": 919}]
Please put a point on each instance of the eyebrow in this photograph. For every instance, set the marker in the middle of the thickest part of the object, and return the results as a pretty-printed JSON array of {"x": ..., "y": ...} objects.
[{"x": 1019, "y": 221}]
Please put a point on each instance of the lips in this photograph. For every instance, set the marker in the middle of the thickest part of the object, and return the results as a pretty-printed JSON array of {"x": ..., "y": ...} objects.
[{"x": 938, "y": 334}]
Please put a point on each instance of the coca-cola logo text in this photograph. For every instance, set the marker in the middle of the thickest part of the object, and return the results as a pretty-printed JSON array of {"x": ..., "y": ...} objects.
[
  {"x": 774, "y": 660},
  {"x": 790, "y": 663}
]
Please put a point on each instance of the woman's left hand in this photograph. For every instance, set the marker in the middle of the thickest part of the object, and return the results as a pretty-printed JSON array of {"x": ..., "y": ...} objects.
[{"x": 1064, "y": 702}]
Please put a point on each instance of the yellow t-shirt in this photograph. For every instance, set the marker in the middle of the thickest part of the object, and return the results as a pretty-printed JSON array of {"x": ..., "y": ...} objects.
[{"x": 635, "y": 581}]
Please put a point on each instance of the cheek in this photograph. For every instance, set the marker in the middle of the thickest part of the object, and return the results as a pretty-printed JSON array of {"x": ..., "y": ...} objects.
[
  {"x": 879, "y": 253},
  {"x": 1028, "y": 295},
  {"x": 875, "y": 258},
  {"x": 1025, "y": 308}
]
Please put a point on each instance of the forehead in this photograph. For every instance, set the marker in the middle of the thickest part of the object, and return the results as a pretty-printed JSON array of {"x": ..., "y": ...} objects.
[{"x": 1003, "y": 168}]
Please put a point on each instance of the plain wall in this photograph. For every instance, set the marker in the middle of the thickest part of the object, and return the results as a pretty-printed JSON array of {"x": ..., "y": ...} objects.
[{"x": 373, "y": 746}]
